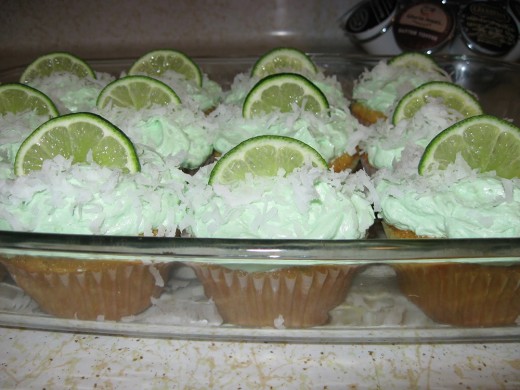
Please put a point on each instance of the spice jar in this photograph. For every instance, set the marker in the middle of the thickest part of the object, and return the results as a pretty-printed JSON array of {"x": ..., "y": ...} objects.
[
  {"x": 424, "y": 26},
  {"x": 488, "y": 28},
  {"x": 369, "y": 25}
]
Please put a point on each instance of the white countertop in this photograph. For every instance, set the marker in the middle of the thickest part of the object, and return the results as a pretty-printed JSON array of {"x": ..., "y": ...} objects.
[{"x": 53, "y": 360}]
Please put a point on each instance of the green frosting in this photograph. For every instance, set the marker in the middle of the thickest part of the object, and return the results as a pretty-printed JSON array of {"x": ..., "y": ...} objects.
[
  {"x": 88, "y": 199},
  {"x": 307, "y": 204},
  {"x": 455, "y": 203},
  {"x": 71, "y": 93},
  {"x": 169, "y": 131},
  {"x": 385, "y": 142},
  {"x": 381, "y": 87},
  {"x": 331, "y": 135}
]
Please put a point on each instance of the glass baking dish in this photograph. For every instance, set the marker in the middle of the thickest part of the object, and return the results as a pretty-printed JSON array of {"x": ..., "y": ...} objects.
[{"x": 374, "y": 310}]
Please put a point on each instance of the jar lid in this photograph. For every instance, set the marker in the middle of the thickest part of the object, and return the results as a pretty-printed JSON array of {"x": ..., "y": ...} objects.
[
  {"x": 369, "y": 19},
  {"x": 515, "y": 8},
  {"x": 424, "y": 26},
  {"x": 487, "y": 28}
]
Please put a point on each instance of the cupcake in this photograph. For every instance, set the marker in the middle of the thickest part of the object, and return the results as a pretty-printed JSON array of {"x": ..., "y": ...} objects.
[
  {"x": 385, "y": 141},
  {"x": 309, "y": 203},
  {"x": 458, "y": 202},
  {"x": 377, "y": 90},
  {"x": 335, "y": 134},
  {"x": 179, "y": 71},
  {"x": 87, "y": 199},
  {"x": 177, "y": 131},
  {"x": 67, "y": 80}
]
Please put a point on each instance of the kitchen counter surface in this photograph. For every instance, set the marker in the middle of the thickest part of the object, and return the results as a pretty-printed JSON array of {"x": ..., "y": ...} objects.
[{"x": 38, "y": 359}]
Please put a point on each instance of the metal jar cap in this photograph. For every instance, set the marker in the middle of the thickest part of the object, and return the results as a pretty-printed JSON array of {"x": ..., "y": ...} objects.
[
  {"x": 424, "y": 26},
  {"x": 369, "y": 19},
  {"x": 487, "y": 28}
]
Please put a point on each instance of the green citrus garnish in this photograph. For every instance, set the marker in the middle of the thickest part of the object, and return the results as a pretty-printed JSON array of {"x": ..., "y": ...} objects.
[
  {"x": 137, "y": 92},
  {"x": 452, "y": 95},
  {"x": 75, "y": 136},
  {"x": 415, "y": 60},
  {"x": 17, "y": 98},
  {"x": 485, "y": 142},
  {"x": 48, "y": 64},
  {"x": 156, "y": 62},
  {"x": 279, "y": 92},
  {"x": 264, "y": 155},
  {"x": 283, "y": 59}
]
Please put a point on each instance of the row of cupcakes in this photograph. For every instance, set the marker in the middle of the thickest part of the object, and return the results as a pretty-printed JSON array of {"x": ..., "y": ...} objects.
[{"x": 324, "y": 204}]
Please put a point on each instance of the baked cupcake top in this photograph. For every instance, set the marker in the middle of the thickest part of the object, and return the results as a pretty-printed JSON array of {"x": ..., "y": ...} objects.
[
  {"x": 457, "y": 202},
  {"x": 309, "y": 203},
  {"x": 382, "y": 86}
]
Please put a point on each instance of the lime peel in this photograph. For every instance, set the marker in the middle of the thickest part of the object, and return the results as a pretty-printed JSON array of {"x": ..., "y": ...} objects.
[
  {"x": 17, "y": 98},
  {"x": 278, "y": 92},
  {"x": 283, "y": 59},
  {"x": 415, "y": 60},
  {"x": 264, "y": 155},
  {"x": 486, "y": 143},
  {"x": 137, "y": 92},
  {"x": 452, "y": 95},
  {"x": 156, "y": 62},
  {"x": 75, "y": 136},
  {"x": 59, "y": 61}
]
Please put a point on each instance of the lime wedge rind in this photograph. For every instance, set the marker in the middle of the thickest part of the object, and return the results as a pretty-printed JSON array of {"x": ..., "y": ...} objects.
[
  {"x": 138, "y": 92},
  {"x": 17, "y": 98},
  {"x": 156, "y": 62},
  {"x": 264, "y": 156},
  {"x": 60, "y": 61},
  {"x": 278, "y": 92},
  {"x": 283, "y": 59},
  {"x": 75, "y": 135},
  {"x": 486, "y": 143},
  {"x": 415, "y": 60},
  {"x": 452, "y": 95}
]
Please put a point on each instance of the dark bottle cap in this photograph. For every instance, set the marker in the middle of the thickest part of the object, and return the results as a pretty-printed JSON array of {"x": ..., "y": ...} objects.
[
  {"x": 424, "y": 26},
  {"x": 487, "y": 28},
  {"x": 369, "y": 18}
]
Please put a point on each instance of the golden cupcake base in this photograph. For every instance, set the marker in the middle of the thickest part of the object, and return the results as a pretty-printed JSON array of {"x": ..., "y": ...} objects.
[
  {"x": 460, "y": 294},
  {"x": 89, "y": 290},
  {"x": 365, "y": 115},
  {"x": 296, "y": 297}
]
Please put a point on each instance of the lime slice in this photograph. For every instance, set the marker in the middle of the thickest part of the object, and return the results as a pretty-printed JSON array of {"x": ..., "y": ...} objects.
[
  {"x": 17, "y": 98},
  {"x": 452, "y": 96},
  {"x": 279, "y": 92},
  {"x": 415, "y": 60},
  {"x": 137, "y": 92},
  {"x": 484, "y": 141},
  {"x": 51, "y": 63},
  {"x": 76, "y": 135},
  {"x": 156, "y": 62},
  {"x": 264, "y": 155},
  {"x": 283, "y": 59}
]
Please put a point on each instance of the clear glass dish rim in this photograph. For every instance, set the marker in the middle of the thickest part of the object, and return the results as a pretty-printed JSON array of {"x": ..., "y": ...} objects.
[
  {"x": 266, "y": 251},
  {"x": 320, "y": 57}
]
